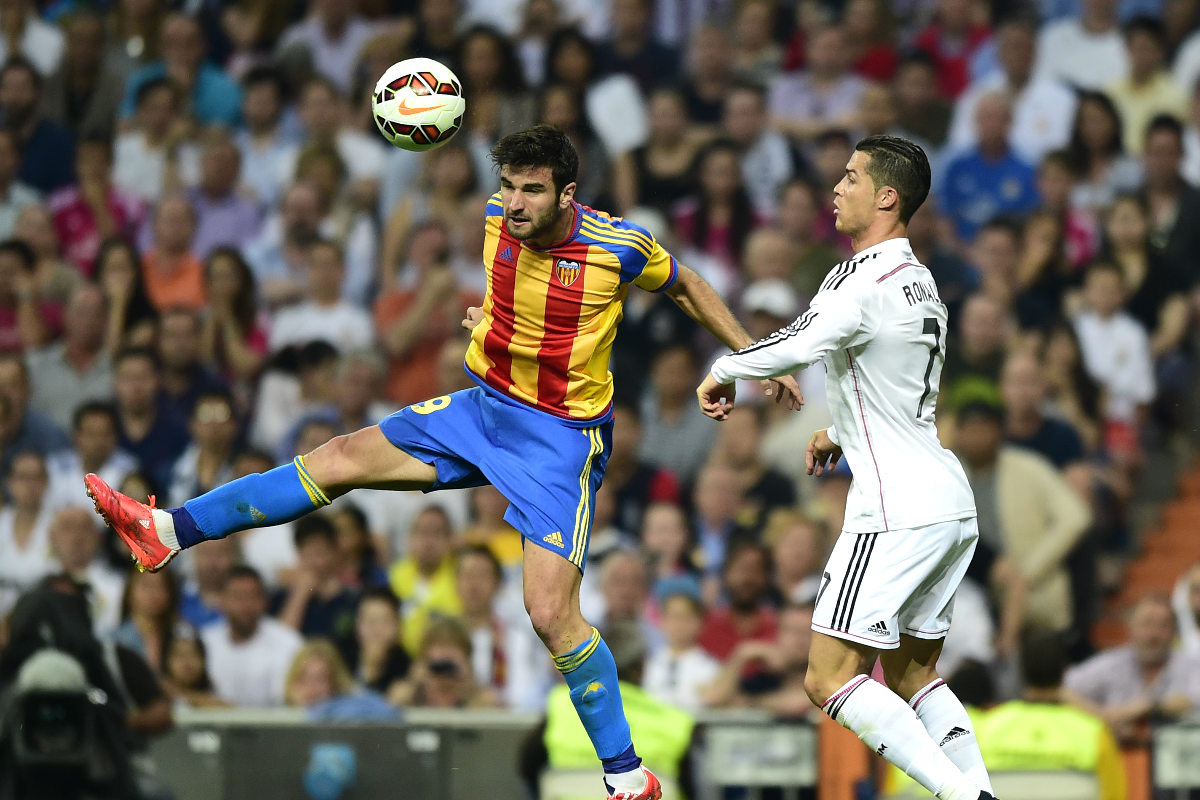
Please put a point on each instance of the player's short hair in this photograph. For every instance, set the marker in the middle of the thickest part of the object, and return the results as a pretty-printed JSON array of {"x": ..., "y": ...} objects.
[
  {"x": 901, "y": 164},
  {"x": 21, "y": 251},
  {"x": 1043, "y": 659},
  {"x": 314, "y": 526},
  {"x": 484, "y": 552},
  {"x": 539, "y": 146},
  {"x": 93, "y": 408}
]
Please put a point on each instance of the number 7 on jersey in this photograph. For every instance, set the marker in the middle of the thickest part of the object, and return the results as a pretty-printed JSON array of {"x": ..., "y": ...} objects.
[{"x": 932, "y": 326}]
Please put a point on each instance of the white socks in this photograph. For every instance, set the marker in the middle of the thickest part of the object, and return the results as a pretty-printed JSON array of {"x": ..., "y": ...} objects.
[
  {"x": 949, "y": 726},
  {"x": 887, "y": 725},
  {"x": 164, "y": 526},
  {"x": 633, "y": 781}
]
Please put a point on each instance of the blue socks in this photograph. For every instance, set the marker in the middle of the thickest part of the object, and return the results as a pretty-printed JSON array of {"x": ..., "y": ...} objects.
[
  {"x": 591, "y": 674},
  {"x": 254, "y": 501}
]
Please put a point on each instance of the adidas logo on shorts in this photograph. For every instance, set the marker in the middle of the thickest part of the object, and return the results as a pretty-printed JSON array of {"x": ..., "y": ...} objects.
[
  {"x": 554, "y": 539},
  {"x": 954, "y": 733},
  {"x": 879, "y": 629}
]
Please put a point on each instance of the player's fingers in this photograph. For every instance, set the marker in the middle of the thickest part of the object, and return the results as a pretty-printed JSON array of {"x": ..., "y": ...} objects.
[{"x": 809, "y": 459}]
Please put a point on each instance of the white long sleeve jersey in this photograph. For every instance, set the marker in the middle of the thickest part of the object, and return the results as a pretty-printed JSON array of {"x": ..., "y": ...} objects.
[{"x": 879, "y": 326}]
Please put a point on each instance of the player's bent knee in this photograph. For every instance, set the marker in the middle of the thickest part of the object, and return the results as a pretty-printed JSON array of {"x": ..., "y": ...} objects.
[{"x": 818, "y": 687}]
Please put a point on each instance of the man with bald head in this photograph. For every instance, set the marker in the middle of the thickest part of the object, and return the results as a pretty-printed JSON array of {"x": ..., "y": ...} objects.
[
  {"x": 76, "y": 368},
  {"x": 75, "y": 539},
  {"x": 279, "y": 256}
]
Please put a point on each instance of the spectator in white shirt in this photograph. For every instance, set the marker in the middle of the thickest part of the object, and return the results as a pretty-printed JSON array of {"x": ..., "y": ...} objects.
[
  {"x": 1116, "y": 353},
  {"x": 25, "y": 555},
  {"x": 268, "y": 153},
  {"x": 249, "y": 653},
  {"x": 35, "y": 39},
  {"x": 154, "y": 156},
  {"x": 94, "y": 432},
  {"x": 1088, "y": 52},
  {"x": 75, "y": 538},
  {"x": 679, "y": 672},
  {"x": 1043, "y": 107},
  {"x": 822, "y": 97},
  {"x": 333, "y": 34},
  {"x": 767, "y": 158},
  {"x": 323, "y": 314}
]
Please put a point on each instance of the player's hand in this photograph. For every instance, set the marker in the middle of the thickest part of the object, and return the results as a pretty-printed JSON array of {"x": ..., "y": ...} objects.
[
  {"x": 785, "y": 390},
  {"x": 474, "y": 317},
  {"x": 716, "y": 399},
  {"x": 822, "y": 454}
]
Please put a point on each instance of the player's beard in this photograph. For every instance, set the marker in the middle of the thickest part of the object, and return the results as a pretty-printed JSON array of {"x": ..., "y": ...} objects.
[{"x": 538, "y": 226}]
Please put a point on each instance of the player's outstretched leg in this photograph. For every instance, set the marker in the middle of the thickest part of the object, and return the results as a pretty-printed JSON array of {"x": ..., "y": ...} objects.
[
  {"x": 552, "y": 600},
  {"x": 911, "y": 672},
  {"x": 364, "y": 458},
  {"x": 838, "y": 683}
]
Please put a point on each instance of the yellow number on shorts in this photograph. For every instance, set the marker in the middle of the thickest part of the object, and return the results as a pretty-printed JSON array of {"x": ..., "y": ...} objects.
[{"x": 430, "y": 406}]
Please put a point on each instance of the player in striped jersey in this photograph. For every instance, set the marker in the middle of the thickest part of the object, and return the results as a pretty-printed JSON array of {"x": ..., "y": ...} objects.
[{"x": 537, "y": 425}]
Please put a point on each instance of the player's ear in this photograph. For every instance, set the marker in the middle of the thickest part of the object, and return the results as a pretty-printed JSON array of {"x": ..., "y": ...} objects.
[
  {"x": 887, "y": 199},
  {"x": 566, "y": 195}
]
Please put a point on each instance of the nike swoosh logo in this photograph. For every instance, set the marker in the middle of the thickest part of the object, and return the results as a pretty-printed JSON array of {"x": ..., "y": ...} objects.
[{"x": 405, "y": 110}]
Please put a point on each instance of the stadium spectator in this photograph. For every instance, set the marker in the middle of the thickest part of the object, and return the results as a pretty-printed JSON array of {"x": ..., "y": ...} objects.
[
  {"x": 223, "y": 216},
  {"x": 1149, "y": 89},
  {"x": 1042, "y": 731},
  {"x": 768, "y": 160},
  {"x": 270, "y": 551},
  {"x": 674, "y": 438},
  {"x": 75, "y": 542},
  {"x": 953, "y": 39},
  {"x": 132, "y": 320},
  {"x": 323, "y": 312},
  {"x": 442, "y": 676},
  {"x": 666, "y": 540},
  {"x": 870, "y": 37},
  {"x": 1027, "y": 512},
  {"x": 53, "y": 278},
  {"x": 300, "y": 382},
  {"x": 21, "y": 427},
  {"x": 994, "y": 256},
  {"x": 200, "y": 601},
  {"x": 1056, "y": 184},
  {"x": 268, "y": 152},
  {"x": 633, "y": 482},
  {"x": 94, "y": 436},
  {"x": 331, "y": 35},
  {"x": 625, "y": 587},
  {"x": 316, "y": 602},
  {"x": 1085, "y": 52},
  {"x": 1116, "y": 352},
  {"x": 77, "y": 367},
  {"x": 922, "y": 112},
  {"x": 1185, "y": 600},
  {"x": 278, "y": 256},
  {"x": 150, "y": 616},
  {"x": 373, "y": 653},
  {"x": 769, "y": 674},
  {"x": 1043, "y": 108},
  {"x": 762, "y": 488},
  {"x": 976, "y": 351},
  {"x": 46, "y": 149},
  {"x": 25, "y": 550},
  {"x": 489, "y": 527},
  {"x": 319, "y": 682},
  {"x": 208, "y": 460},
  {"x": 172, "y": 273},
  {"x": 322, "y": 109},
  {"x": 1102, "y": 168},
  {"x": 1146, "y": 680},
  {"x": 1071, "y": 392},
  {"x": 709, "y": 73},
  {"x": 479, "y": 580},
  {"x": 93, "y": 209},
  {"x": 757, "y": 53},
  {"x": 184, "y": 376},
  {"x": 1044, "y": 273},
  {"x": 424, "y": 579},
  {"x": 1191, "y": 139},
  {"x": 955, "y": 277},
  {"x": 26, "y": 320},
  {"x": 1172, "y": 200},
  {"x": 632, "y": 48},
  {"x": 358, "y": 378},
  {"x": 185, "y": 679},
  {"x": 15, "y": 194},
  {"x": 145, "y": 430},
  {"x": 716, "y": 498},
  {"x": 746, "y": 587},
  {"x": 30, "y": 36},
  {"x": 491, "y": 76},
  {"x": 824, "y": 96},
  {"x": 233, "y": 338},
  {"x": 989, "y": 179},
  {"x": 680, "y": 672},
  {"x": 437, "y": 29},
  {"x": 796, "y": 544},
  {"x": 84, "y": 94},
  {"x": 211, "y": 95},
  {"x": 1023, "y": 388},
  {"x": 156, "y": 155},
  {"x": 358, "y": 548},
  {"x": 248, "y": 652}
]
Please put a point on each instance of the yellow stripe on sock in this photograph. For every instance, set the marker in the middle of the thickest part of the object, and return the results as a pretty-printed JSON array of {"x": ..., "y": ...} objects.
[
  {"x": 572, "y": 662},
  {"x": 314, "y": 492}
]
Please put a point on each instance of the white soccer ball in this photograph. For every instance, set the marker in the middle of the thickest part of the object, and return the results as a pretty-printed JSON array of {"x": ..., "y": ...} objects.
[{"x": 418, "y": 104}]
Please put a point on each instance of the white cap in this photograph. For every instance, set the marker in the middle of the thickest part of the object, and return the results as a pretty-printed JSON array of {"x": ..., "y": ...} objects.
[{"x": 773, "y": 296}]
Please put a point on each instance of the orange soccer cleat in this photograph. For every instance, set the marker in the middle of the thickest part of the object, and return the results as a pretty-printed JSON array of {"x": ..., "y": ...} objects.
[{"x": 133, "y": 522}]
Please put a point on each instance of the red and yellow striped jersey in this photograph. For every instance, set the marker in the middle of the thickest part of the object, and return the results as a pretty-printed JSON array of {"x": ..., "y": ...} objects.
[{"x": 550, "y": 315}]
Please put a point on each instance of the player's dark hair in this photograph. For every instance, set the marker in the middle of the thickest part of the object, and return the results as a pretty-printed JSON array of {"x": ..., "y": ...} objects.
[
  {"x": 900, "y": 164},
  {"x": 1043, "y": 659},
  {"x": 22, "y": 251},
  {"x": 484, "y": 552},
  {"x": 127, "y": 353},
  {"x": 93, "y": 408},
  {"x": 314, "y": 526},
  {"x": 539, "y": 146},
  {"x": 239, "y": 571},
  {"x": 1164, "y": 123}
]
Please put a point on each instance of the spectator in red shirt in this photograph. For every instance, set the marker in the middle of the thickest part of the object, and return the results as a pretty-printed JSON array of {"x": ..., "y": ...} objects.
[
  {"x": 748, "y": 615},
  {"x": 25, "y": 321},
  {"x": 869, "y": 35},
  {"x": 952, "y": 40},
  {"x": 93, "y": 210}
]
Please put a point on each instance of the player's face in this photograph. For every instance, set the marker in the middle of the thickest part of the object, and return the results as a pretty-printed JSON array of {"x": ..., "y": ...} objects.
[
  {"x": 532, "y": 208},
  {"x": 854, "y": 196}
]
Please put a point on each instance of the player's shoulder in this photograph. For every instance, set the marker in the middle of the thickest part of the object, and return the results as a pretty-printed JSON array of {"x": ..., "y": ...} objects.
[
  {"x": 618, "y": 235},
  {"x": 494, "y": 206}
]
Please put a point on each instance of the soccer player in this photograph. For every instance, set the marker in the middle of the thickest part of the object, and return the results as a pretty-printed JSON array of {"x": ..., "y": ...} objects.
[
  {"x": 538, "y": 424},
  {"x": 879, "y": 327}
]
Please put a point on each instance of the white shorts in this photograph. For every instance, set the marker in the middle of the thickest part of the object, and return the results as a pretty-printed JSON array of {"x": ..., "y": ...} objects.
[{"x": 877, "y": 586}]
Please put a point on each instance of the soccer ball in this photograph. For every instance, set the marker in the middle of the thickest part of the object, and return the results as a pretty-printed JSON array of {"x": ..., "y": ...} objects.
[{"x": 418, "y": 104}]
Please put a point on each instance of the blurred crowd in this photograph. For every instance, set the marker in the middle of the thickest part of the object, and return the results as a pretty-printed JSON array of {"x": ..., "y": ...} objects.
[{"x": 210, "y": 262}]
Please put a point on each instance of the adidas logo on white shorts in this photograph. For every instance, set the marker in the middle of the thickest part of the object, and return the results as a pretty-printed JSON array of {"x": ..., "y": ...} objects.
[{"x": 879, "y": 629}]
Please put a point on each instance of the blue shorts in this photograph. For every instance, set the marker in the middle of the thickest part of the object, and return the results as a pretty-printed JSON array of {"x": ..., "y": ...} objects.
[{"x": 548, "y": 470}]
